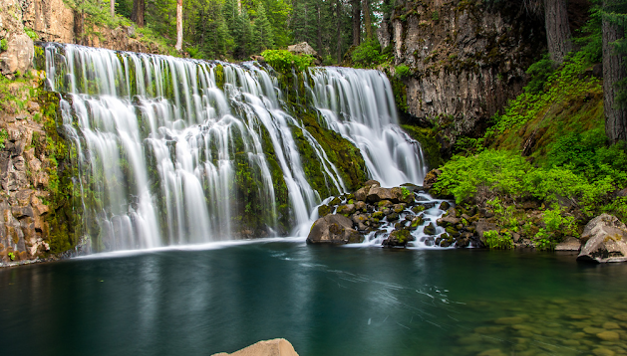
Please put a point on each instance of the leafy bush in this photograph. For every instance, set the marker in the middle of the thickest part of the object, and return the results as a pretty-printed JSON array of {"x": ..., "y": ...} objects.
[
  {"x": 500, "y": 171},
  {"x": 4, "y": 45},
  {"x": 496, "y": 240},
  {"x": 508, "y": 174},
  {"x": 559, "y": 86},
  {"x": 283, "y": 61},
  {"x": 539, "y": 73},
  {"x": 30, "y": 33},
  {"x": 368, "y": 54},
  {"x": 3, "y": 136},
  {"x": 403, "y": 71}
]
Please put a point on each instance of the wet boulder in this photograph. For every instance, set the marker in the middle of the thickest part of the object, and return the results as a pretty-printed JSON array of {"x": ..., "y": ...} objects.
[
  {"x": 398, "y": 238},
  {"x": 346, "y": 209},
  {"x": 334, "y": 229},
  {"x": 604, "y": 240},
  {"x": 324, "y": 210}
]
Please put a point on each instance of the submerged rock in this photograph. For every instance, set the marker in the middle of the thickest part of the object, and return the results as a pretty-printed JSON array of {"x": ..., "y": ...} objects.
[
  {"x": 604, "y": 239},
  {"x": 569, "y": 244},
  {"x": 274, "y": 347},
  {"x": 334, "y": 229}
]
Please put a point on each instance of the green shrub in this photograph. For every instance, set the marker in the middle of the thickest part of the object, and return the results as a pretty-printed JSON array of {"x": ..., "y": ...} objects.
[
  {"x": 11, "y": 256},
  {"x": 539, "y": 72},
  {"x": 283, "y": 61},
  {"x": 403, "y": 71},
  {"x": 3, "y": 136},
  {"x": 495, "y": 240},
  {"x": 368, "y": 54},
  {"x": 500, "y": 171},
  {"x": 4, "y": 45},
  {"x": 32, "y": 34}
]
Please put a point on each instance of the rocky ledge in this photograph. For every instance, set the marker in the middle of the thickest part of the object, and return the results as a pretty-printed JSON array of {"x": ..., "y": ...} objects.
[{"x": 392, "y": 217}]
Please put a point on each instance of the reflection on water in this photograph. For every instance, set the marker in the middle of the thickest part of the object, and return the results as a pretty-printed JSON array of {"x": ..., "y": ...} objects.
[{"x": 326, "y": 301}]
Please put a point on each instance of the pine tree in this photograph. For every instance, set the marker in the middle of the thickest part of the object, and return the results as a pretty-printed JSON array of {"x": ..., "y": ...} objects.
[{"x": 262, "y": 29}]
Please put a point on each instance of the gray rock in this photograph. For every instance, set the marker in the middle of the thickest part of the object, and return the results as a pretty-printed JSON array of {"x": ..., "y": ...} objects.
[
  {"x": 334, "y": 229},
  {"x": 302, "y": 48},
  {"x": 569, "y": 244},
  {"x": 605, "y": 240},
  {"x": 19, "y": 54}
]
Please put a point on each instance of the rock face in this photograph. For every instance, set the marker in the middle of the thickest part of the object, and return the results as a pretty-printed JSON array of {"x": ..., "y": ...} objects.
[
  {"x": 51, "y": 20},
  {"x": 334, "y": 229},
  {"x": 605, "y": 240},
  {"x": 274, "y": 347},
  {"x": 24, "y": 175},
  {"x": 19, "y": 55},
  {"x": 467, "y": 57},
  {"x": 20, "y": 52}
]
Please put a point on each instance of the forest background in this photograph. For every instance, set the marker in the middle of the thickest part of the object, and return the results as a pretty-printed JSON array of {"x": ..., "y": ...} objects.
[{"x": 237, "y": 29}]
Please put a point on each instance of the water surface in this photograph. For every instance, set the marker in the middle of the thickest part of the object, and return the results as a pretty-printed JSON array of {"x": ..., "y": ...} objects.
[{"x": 325, "y": 300}]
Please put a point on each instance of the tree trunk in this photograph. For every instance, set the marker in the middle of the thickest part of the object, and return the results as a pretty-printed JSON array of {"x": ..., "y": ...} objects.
[
  {"x": 338, "y": 11},
  {"x": 367, "y": 22},
  {"x": 356, "y": 23},
  {"x": 557, "y": 30},
  {"x": 179, "y": 25},
  {"x": 137, "y": 16},
  {"x": 79, "y": 23},
  {"x": 112, "y": 2},
  {"x": 613, "y": 72},
  {"x": 319, "y": 39}
]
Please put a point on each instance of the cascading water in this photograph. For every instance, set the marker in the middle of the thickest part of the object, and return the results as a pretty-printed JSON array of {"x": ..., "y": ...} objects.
[
  {"x": 359, "y": 104},
  {"x": 175, "y": 151}
]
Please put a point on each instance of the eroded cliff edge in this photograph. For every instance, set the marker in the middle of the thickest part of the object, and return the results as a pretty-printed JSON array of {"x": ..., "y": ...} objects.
[{"x": 467, "y": 59}]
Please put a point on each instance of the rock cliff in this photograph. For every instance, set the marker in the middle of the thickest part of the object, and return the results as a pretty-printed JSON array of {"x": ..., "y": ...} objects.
[{"x": 467, "y": 58}]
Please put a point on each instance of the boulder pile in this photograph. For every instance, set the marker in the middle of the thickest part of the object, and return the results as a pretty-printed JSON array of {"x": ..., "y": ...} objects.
[{"x": 395, "y": 215}]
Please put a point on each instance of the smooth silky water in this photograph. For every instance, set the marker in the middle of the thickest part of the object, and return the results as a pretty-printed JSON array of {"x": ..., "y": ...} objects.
[{"x": 325, "y": 300}]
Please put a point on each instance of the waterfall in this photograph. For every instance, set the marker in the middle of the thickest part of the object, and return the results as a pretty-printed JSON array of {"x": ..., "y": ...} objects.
[
  {"x": 359, "y": 104},
  {"x": 177, "y": 151}
]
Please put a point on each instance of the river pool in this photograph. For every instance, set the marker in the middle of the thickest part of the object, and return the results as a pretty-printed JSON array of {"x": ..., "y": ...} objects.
[{"x": 325, "y": 300}]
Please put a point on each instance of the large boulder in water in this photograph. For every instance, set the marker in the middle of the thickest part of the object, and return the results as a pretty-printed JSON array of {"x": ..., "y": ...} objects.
[
  {"x": 604, "y": 240},
  {"x": 395, "y": 195},
  {"x": 274, "y": 347},
  {"x": 334, "y": 229}
]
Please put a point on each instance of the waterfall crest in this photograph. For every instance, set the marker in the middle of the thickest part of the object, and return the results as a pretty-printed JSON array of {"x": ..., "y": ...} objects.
[{"x": 176, "y": 151}]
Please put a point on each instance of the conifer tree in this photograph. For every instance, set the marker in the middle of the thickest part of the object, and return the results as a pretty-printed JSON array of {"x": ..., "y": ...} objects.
[{"x": 262, "y": 29}]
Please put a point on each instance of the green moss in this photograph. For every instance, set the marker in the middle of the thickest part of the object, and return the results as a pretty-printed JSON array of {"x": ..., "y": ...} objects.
[
  {"x": 429, "y": 143},
  {"x": 219, "y": 73}
]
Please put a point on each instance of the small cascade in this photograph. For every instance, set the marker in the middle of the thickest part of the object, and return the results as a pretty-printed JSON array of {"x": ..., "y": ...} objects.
[
  {"x": 359, "y": 104},
  {"x": 177, "y": 151}
]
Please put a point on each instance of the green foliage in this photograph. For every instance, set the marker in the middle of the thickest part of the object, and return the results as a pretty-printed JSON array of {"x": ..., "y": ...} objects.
[
  {"x": 557, "y": 225},
  {"x": 501, "y": 171},
  {"x": 405, "y": 192},
  {"x": 3, "y": 136},
  {"x": 496, "y": 240},
  {"x": 562, "y": 85},
  {"x": 508, "y": 174},
  {"x": 435, "y": 16},
  {"x": 368, "y": 54},
  {"x": 283, "y": 61},
  {"x": 539, "y": 72},
  {"x": 30, "y": 33},
  {"x": 4, "y": 45},
  {"x": 263, "y": 35},
  {"x": 403, "y": 71},
  {"x": 11, "y": 256}
]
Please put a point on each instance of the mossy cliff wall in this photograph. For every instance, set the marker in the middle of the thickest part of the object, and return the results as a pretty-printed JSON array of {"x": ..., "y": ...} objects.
[{"x": 467, "y": 59}]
